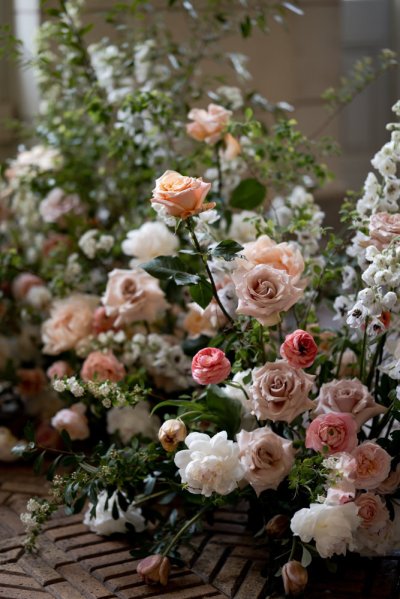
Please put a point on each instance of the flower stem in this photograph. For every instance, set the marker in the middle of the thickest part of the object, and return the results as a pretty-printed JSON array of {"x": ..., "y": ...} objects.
[
  {"x": 293, "y": 550},
  {"x": 363, "y": 352},
  {"x": 180, "y": 532},
  {"x": 152, "y": 496},
  {"x": 219, "y": 170}
]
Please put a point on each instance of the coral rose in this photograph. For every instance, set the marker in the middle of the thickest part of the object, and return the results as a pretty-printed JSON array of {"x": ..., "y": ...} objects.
[
  {"x": 59, "y": 369},
  {"x": 334, "y": 432},
  {"x": 101, "y": 366},
  {"x": 280, "y": 392},
  {"x": 299, "y": 349},
  {"x": 373, "y": 511},
  {"x": 181, "y": 196},
  {"x": 210, "y": 366},
  {"x": 373, "y": 465},
  {"x": 101, "y": 322},
  {"x": 208, "y": 125},
  {"x": 282, "y": 256},
  {"x": 72, "y": 420},
  {"x": 384, "y": 227}
]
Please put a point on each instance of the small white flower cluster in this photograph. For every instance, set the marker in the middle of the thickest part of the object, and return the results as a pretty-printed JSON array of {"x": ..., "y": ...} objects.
[
  {"x": 93, "y": 242},
  {"x": 107, "y": 340},
  {"x": 70, "y": 384},
  {"x": 107, "y": 60},
  {"x": 73, "y": 269}
]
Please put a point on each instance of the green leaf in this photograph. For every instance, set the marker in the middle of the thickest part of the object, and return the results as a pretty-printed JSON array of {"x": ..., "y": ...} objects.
[
  {"x": 29, "y": 432},
  {"x": 170, "y": 268},
  {"x": 178, "y": 403},
  {"x": 226, "y": 410},
  {"x": 227, "y": 249},
  {"x": 202, "y": 293},
  {"x": 38, "y": 464},
  {"x": 306, "y": 558},
  {"x": 249, "y": 194}
]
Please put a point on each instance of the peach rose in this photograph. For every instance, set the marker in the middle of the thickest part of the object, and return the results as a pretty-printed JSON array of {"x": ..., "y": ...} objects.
[
  {"x": 72, "y": 420},
  {"x": 373, "y": 511},
  {"x": 199, "y": 321},
  {"x": 133, "y": 295},
  {"x": 23, "y": 283},
  {"x": 348, "y": 395},
  {"x": 232, "y": 147},
  {"x": 101, "y": 366},
  {"x": 57, "y": 204},
  {"x": 210, "y": 366},
  {"x": 299, "y": 349},
  {"x": 373, "y": 465},
  {"x": 384, "y": 227},
  {"x": 334, "y": 432},
  {"x": 266, "y": 458},
  {"x": 281, "y": 256},
  {"x": 280, "y": 392},
  {"x": 59, "y": 369},
  {"x": 101, "y": 322},
  {"x": 31, "y": 381},
  {"x": 391, "y": 483},
  {"x": 264, "y": 292},
  {"x": 70, "y": 321},
  {"x": 208, "y": 125},
  {"x": 181, "y": 196}
]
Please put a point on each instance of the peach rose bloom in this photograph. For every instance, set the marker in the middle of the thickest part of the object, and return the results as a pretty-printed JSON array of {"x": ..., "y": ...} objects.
[
  {"x": 299, "y": 349},
  {"x": 232, "y": 147},
  {"x": 59, "y": 369},
  {"x": 199, "y": 321},
  {"x": 264, "y": 292},
  {"x": 70, "y": 321},
  {"x": 333, "y": 432},
  {"x": 280, "y": 392},
  {"x": 133, "y": 295},
  {"x": 210, "y": 366},
  {"x": 348, "y": 395},
  {"x": 58, "y": 204},
  {"x": 282, "y": 256},
  {"x": 384, "y": 227},
  {"x": 101, "y": 366},
  {"x": 72, "y": 420},
  {"x": 31, "y": 381},
  {"x": 373, "y": 465},
  {"x": 181, "y": 196},
  {"x": 23, "y": 283},
  {"x": 266, "y": 458},
  {"x": 208, "y": 125},
  {"x": 391, "y": 483},
  {"x": 373, "y": 511}
]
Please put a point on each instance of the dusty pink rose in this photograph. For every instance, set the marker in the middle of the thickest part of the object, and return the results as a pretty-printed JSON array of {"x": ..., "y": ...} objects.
[
  {"x": 280, "y": 392},
  {"x": 299, "y": 349},
  {"x": 335, "y": 432},
  {"x": 208, "y": 125},
  {"x": 391, "y": 483},
  {"x": 282, "y": 256},
  {"x": 72, "y": 420},
  {"x": 31, "y": 381},
  {"x": 384, "y": 227},
  {"x": 181, "y": 196},
  {"x": 373, "y": 511},
  {"x": 58, "y": 204},
  {"x": 210, "y": 366},
  {"x": 101, "y": 322},
  {"x": 266, "y": 458},
  {"x": 101, "y": 366},
  {"x": 23, "y": 283},
  {"x": 59, "y": 369},
  {"x": 133, "y": 295},
  {"x": 70, "y": 321},
  {"x": 373, "y": 465},
  {"x": 264, "y": 292},
  {"x": 348, "y": 395}
]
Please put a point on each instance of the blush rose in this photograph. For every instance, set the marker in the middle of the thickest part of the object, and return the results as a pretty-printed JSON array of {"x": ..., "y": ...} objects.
[
  {"x": 372, "y": 510},
  {"x": 384, "y": 227},
  {"x": 299, "y": 349},
  {"x": 282, "y": 256},
  {"x": 373, "y": 465},
  {"x": 101, "y": 366},
  {"x": 210, "y": 366},
  {"x": 334, "y": 432},
  {"x": 181, "y": 196},
  {"x": 208, "y": 125},
  {"x": 72, "y": 420}
]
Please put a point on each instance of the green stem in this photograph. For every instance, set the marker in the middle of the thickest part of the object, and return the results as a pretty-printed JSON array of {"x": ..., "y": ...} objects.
[
  {"x": 363, "y": 352},
  {"x": 340, "y": 357},
  {"x": 180, "y": 532},
  {"x": 293, "y": 550},
  {"x": 152, "y": 496},
  {"x": 376, "y": 360},
  {"x": 219, "y": 169}
]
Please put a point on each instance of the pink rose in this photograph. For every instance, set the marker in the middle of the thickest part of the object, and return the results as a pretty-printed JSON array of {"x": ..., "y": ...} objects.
[
  {"x": 280, "y": 392},
  {"x": 23, "y": 283},
  {"x": 31, "y": 381},
  {"x": 266, "y": 458},
  {"x": 281, "y": 256},
  {"x": 373, "y": 465},
  {"x": 59, "y": 369},
  {"x": 384, "y": 227},
  {"x": 335, "y": 432},
  {"x": 58, "y": 204},
  {"x": 264, "y": 292},
  {"x": 210, "y": 366},
  {"x": 101, "y": 322},
  {"x": 373, "y": 511},
  {"x": 133, "y": 295},
  {"x": 348, "y": 395},
  {"x": 208, "y": 125},
  {"x": 47, "y": 436},
  {"x": 181, "y": 196},
  {"x": 72, "y": 420},
  {"x": 101, "y": 366},
  {"x": 70, "y": 321},
  {"x": 299, "y": 349},
  {"x": 391, "y": 483}
]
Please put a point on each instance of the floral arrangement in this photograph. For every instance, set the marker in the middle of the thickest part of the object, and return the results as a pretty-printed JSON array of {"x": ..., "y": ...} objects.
[{"x": 187, "y": 348}]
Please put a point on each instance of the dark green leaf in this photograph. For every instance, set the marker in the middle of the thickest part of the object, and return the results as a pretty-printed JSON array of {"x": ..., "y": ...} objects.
[
  {"x": 249, "y": 194},
  {"x": 52, "y": 469},
  {"x": 227, "y": 249},
  {"x": 202, "y": 293},
  {"x": 38, "y": 464},
  {"x": 170, "y": 268},
  {"x": 29, "y": 432},
  {"x": 226, "y": 410}
]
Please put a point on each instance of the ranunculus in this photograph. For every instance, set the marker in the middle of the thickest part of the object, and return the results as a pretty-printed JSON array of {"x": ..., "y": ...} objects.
[
  {"x": 299, "y": 349},
  {"x": 208, "y": 125},
  {"x": 70, "y": 321},
  {"x": 280, "y": 392},
  {"x": 72, "y": 420},
  {"x": 23, "y": 283},
  {"x": 264, "y": 292},
  {"x": 266, "y": 458},
  {"x": 384, "y": 227},
  {"x": 7, "y": 442},
  {"x": 103, "y": 522},
  {"x": 133, "y": 295},
  {"x": 181, "y": 196},
  {"x": 373, "y": 465},
  {"x": 210, "y": 366},
  {"x": 130, "y": 421},
  {"x": 58, "y": 204},
  {"x": 334, "y": 431},
  {"x": 331, "y": 526},
  {"x": 348, "y": 395},
  {"x": 101, "y": 322},
  {"x": 373, "y": 511},
  {"x": 101, "y": 366},
  {"x": 210, "y": 464},
  {"x": 59, "y": 369},
  {"x": 31, "y": 381},
  {"x": 149, "y": 241},
  {"x": 282, "y": 256}
]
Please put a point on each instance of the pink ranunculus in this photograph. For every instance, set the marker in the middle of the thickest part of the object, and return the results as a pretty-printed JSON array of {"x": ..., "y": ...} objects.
[
  {"x": 210, "y": 366},
  {"x": 348, "y": 395},
  {"x": 59, "y": 369},
  {"x": 384, "y": 227},
  {"x": 31, "y": 381},
  {"x": 334, "y": 431},
  {"x": 282, "y": 256},
  {"x": 208, "y": 125},
  {"x": 72, "y": 420},
  {"x": 280, "y": 392},
  {"x": 181, "y": 196},
  {"x": 101, "y": 322},
  {"x": 266, "y": 457},
  {"x": 299, "y": 349},
  {"x": 101, "y": 366},
  {"x": 23, "y": 283},
  {"x": 58, "y": 204},
  {"x": 373, "y": 465},
  {"x": 373, "y": 511}
]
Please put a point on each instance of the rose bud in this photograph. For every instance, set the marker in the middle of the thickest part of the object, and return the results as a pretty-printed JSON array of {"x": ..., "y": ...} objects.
[
  {"x": 154, "y": 569},
  {"x": 171, "y": 433},
  {"x": 210, "y": 366},
  {"x": 295, "y": 578},
  {"x": 277, "y": 526}
]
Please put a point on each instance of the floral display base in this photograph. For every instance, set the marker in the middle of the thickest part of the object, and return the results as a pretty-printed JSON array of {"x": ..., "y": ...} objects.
[{"x": 225, "y": 561}]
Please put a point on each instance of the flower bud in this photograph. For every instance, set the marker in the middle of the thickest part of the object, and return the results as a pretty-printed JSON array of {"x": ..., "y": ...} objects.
[
  {"x": 295, "y": 578},
  {"x": 171, "y": 433},
  {"x": 277, "y": 526},
  {"x": 154, "y": 569}
]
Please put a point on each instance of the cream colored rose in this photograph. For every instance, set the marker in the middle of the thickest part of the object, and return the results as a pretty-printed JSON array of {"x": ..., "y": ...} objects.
[
  {"x": 265, "y": 457},
  {"x": 282, "y": 256},
  {"x": 149, "y": 241},
  {"x": 280, "y": 392},
  {"x": 133, "y": 295},
  {"x": 384, "y": 227},
  {"x": 181, "y": 196},
  {"x": 208, "y": 125},
  {"x": 70, "y": 321}
]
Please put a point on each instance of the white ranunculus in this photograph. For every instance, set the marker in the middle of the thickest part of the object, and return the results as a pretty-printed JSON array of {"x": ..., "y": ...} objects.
[
  {"x": 149, "y": 241},
  {"x": 129, "y": 421},
  {"x": 210, "y": 464},
  {"x": 331, "y": 526},
  {"x": 104, "y": 523}
]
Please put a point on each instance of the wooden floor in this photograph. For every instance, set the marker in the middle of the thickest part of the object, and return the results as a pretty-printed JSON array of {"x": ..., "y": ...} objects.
[{"x": 73, "y": 563}]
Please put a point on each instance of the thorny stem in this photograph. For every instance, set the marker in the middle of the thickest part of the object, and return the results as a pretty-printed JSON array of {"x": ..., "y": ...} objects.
[{"x": 180, "y": 532}]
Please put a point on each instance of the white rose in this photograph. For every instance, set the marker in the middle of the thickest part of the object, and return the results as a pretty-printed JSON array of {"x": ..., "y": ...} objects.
[
  {"x": 103, "y": 522},
  {"x": 130, "y": 421},
  {"x": 149, "y": 241}
]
